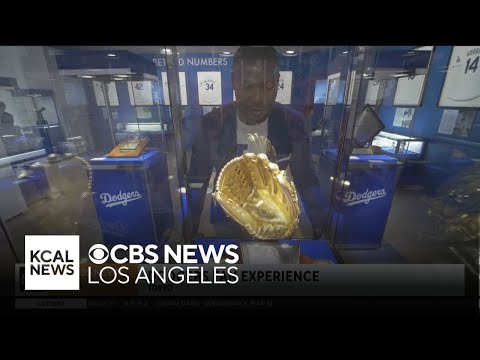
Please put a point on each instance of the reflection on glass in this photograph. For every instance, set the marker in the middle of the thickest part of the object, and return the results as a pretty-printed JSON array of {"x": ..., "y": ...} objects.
[{"x": 57, "y": 177}]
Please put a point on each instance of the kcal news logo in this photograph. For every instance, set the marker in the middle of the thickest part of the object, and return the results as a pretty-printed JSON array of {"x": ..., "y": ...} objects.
[{"x": 52, "y": 262}]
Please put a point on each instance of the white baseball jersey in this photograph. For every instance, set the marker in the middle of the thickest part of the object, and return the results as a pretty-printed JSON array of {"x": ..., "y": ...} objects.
[{"x": 462, "y": 83}]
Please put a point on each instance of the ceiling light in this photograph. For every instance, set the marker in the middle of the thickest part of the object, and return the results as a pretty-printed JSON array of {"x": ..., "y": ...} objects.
[
  {"x": 289, "y": 53},
  {"x": 166, "y": 51},
  {"x": 122, "y": 76},
  {"x": 424, "y": 48},
  {"x": 87, "y": 76},
  {"x": 403, "y": 73},
  {"x": 111, "y": 55}
]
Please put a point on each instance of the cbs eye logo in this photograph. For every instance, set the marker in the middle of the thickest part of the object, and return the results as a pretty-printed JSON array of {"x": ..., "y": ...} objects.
[{"x": 98, "y": 254}]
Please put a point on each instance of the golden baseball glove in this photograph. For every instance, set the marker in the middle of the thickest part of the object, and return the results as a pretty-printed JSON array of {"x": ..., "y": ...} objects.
[
  {"x": 259, "y": 144},
  {"x": 257, "y": 195}
]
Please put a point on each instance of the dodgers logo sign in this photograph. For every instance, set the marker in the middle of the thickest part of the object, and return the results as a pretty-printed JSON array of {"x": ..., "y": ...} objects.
[
  {"x": 122, "y": 198},
  {"x": 352, "y": 198}
]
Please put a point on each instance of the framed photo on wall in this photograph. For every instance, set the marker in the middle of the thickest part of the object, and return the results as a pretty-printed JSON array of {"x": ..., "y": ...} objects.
[
  {"x": 183, "y": 88},
  {"x": 320, "y": 93},
  {"x": 461, "y": 88},
  {"x": 404, "y": 117},
  {"x": 284, "y": 93},
  {"x": 457, "y": 122},
  {"x": 374, "y": 94},
  {"x": 140, "y": 93},
  {"x": 409, "y": 91},
  {"x": 209, "y": 88},
  {"x": 99, "y": 89},
  {"x": 333, "y": 84}
]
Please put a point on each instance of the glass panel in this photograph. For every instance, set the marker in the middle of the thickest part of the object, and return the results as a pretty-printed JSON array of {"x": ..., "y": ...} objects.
[
  {"x": 410, "y": 195},
  {"x": 285, "y": 94},
  {"x": 126, "y": 145},
  {"x": 90, "y": 150}
]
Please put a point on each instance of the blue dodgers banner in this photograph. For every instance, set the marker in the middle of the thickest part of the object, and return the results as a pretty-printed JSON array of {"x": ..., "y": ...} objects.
[
  {"x": 129, "y": 208},
  {"x": 124, "y": 211},
  {"x": 365, "y": 198}
]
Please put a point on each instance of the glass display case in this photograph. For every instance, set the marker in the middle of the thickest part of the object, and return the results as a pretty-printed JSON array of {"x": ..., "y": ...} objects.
[
  {"x": 129, "y": 175},
  {"x": 125, "y": 88},
  {"x": 270, "y": 100},
  {"x": 24, "y": 137},
  {"x": 146, "y": 132},
  {"x": 400, "y": 146},
  {"x": 98, "y": 162},
  {"x": 23, "y": 141}
]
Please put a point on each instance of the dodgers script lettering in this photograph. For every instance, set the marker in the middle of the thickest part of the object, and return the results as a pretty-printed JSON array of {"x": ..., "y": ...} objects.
[
  {"x": 122, "y": 198},
  {"x": 352, "y": 198}
]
